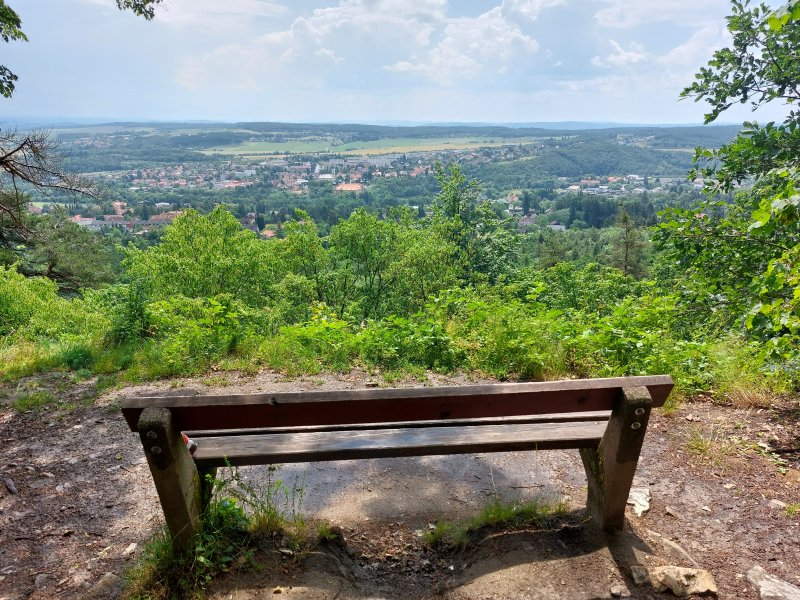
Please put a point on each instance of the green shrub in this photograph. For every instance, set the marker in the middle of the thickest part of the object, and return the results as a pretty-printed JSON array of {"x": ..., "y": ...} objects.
[{"x": 397, "y": 342}]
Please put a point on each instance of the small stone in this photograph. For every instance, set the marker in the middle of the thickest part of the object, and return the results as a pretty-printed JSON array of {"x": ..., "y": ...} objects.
[
  {"x": 681, "y": 581},
  {"x": 777, "y": 504},
  {"x": 770, "y": 587},
  {"x": 129, "y": 550},
  {"x": 48, "y": 475},
  {"x": 277, "y": 590},
  {"x": 285, "y": 551},
  {"x": 639, "y": 498},
  {"x": 616, "y": 591},
  {"x": 640, "y": 574},
  {"x": 671, "y": 511},
  {"x": 40, "y": 580},
  {"x": 705, "y": 508},
  {"x": 2, "y": 577},
  {"x": 108, "y": 583},
  {"x": 371, "y": 384},
  {"x": 729, "y": 486},
  {"x": 10, "y": 485}
]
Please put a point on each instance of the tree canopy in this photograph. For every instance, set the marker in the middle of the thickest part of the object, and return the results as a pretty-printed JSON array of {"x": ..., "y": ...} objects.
[{"x": 762, "y": 66}]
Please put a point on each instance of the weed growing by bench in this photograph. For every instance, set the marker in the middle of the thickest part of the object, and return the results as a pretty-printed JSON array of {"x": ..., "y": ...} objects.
[
  {"x": 508, "y": 515},
  {"x": 239, "y": 517}
]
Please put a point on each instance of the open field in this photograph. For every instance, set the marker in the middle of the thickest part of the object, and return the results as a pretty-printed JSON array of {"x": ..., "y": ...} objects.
[{"x": 383, "y": 146}]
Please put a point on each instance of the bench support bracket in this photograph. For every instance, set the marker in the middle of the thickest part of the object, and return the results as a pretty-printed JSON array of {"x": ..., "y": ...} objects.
[
  {"x": 611, "y": 466},
  {"x": 174, "y": 473}
]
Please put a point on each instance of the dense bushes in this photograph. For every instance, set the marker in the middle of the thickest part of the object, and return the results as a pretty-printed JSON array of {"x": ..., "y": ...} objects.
[{"x": 394, "y": 295}]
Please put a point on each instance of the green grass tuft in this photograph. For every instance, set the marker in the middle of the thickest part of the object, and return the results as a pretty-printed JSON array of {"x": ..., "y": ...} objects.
[
  {"x": 531, "y": 513},
  {"x": 35, "y": 401}
]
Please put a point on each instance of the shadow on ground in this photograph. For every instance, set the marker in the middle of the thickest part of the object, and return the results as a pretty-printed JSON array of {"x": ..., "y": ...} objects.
[{"x": 571, "y": 560}]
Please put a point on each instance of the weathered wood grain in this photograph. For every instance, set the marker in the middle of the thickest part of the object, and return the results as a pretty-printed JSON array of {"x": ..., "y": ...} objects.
[
  {"x": 359, "y": 444},
  {"x": 596, "y": 415},
  {"x": 174, "y": 474},
  {"x": 611, "y": 466},
  {"x": 291, "y": 409}
]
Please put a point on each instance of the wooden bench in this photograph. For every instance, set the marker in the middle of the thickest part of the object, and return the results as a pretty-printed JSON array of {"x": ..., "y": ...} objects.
[{"x": 605, "y": 418}]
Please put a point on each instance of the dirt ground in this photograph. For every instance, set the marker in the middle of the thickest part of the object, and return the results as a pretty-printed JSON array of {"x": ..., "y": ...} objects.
[{"x": 77, "y": 504}]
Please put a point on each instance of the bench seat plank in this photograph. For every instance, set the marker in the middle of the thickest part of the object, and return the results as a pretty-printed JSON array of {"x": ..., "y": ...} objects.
[
  {"x": 595, "y": 415},
  {"x": 418, "y": 441}
]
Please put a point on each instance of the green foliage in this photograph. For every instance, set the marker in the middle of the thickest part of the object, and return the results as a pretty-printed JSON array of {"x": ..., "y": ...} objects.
[
  {"x": 35, "y": 401},
  {"x": 31, "y": 307},
  {"x": 457, "y": 194},
  {"x": 190, "y": 334},
  {"x": 10, "y": 29},
  {"x": 591, "y": 289},
  {"x": 204, "y": 256},
  {"x": 508, "y": 515},
  {"x": 398, "y": 342},
  {"x": 237, "y": 512},
  {"x": 761, "y": 67},
  {"x": 162, "y": 573}
]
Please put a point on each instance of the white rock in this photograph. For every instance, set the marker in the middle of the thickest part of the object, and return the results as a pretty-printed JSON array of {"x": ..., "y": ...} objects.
[
  {"x": 681, "y": 581},
  {"x": 777, "y": 504},
  {"x": 639, "y": 498},
  {"x": 770, "y": 587},
  {"x": 129, "y": 550}
]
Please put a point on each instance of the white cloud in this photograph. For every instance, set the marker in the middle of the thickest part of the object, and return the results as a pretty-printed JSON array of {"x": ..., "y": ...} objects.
[
  {"x": 328, "y": 53},
  {"x": 209, "y": 13},
  {"x": 529, "y": 9},
  {"x": 699, "y": 48},
  {"x": 632, "y": 13},
  {"x": 388, "y": 36},
  {"x": 621, "y": 57},
  {"x": 471, "y": 47}
]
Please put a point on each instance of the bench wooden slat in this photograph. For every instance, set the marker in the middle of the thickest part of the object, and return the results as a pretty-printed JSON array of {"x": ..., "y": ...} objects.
[
  {"x": 293, "y": 409},
  {"x": 420, "y": 441},
  {"x": 555, "y": 418}
]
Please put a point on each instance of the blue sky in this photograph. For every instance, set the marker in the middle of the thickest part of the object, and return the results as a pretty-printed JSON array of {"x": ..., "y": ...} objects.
[{"x": 366, "y": 60}]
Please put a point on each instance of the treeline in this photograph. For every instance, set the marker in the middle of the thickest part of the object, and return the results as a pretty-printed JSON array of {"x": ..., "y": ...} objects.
[{"x": 457, "y": 289}]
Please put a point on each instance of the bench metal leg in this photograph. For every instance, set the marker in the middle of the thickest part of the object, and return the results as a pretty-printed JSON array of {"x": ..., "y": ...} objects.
[
  {"x": 174, "y": 473},
  {"x": 611, "y": 466}
]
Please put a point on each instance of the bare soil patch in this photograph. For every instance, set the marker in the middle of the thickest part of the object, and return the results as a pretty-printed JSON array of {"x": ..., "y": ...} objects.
[{"x": 721, "y": 481}]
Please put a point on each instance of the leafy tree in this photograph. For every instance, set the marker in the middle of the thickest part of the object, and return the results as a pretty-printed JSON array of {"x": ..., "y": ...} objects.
[
  {"x": 457, "y": 194},
  {"x": 204, "y": 256},
  {"x": 72, "y": 256},
  {"x": 366, "y": 246},
  {"x": 762, "y": 66},
  {"x": 10, "y": 24}
]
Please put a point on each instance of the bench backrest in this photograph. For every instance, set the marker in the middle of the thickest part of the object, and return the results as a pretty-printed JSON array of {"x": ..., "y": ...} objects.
[{"x": 377, "y": 405}]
